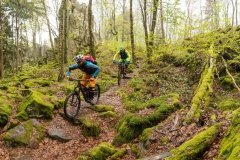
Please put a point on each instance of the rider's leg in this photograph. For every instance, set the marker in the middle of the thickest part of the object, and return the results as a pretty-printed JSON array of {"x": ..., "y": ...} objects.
[{"x": 85, "y": 76}]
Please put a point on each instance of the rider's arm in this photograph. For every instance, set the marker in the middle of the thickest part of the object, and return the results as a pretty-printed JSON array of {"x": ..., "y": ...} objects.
[
  {"x": 114, "y": 57},
  {"x": 72, "y": 67},
  {"x": 129, "y": 56},
  {"x": 91, "y": 65}
]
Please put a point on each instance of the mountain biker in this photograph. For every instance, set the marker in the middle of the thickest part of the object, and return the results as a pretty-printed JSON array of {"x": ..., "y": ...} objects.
[
  {"x": 124, "y": 57},
  {"x": 90, "y": 71}
]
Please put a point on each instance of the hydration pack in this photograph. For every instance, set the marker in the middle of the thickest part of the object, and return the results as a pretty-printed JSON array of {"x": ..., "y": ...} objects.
[{"x": 90, "y": 59}]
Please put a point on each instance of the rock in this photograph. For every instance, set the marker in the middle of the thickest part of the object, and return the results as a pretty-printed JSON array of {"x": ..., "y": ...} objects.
[
  {"x": 28, "y": 133},
  {"x": 36, "y": 105},
  {"x": 5, "y": 111},
  {"x": 58, "y": 134},
  {"x": 158, "y": 157}
]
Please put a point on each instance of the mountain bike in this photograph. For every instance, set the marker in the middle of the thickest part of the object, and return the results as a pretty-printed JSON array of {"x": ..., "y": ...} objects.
[
  {"x": 72, "y": 102},
  {"x": 122, "y": 70}
]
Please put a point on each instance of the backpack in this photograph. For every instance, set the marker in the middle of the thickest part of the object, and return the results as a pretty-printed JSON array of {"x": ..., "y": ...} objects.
[{"x": 90, "y": 59}]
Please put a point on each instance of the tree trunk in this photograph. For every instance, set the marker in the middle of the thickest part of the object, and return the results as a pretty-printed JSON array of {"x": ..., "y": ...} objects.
[
  {"x": 62, "y": 15},
  {"x": 236, "y": 4},
  {"x": 49, "y": 29},
  {"x": 132, "y": 33},
  {"x": 65, "y": 31},
  {"x": 153, "y": 23},
  {"x": 17, "y": 45},
  {"x": 123, "y": 25},
  {"x": 233, "y": 12},
  {"x": 162, "y": 24},
  {"x": 1, "y": 41},
  {"x": 144, "y": 19},
  {"x": 90, "y": 26}
]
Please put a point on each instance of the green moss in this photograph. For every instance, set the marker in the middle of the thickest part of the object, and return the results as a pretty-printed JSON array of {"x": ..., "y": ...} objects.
[
  {"x": 135, "y": 150},
  {"x": 5, "y": 111},
  {"x": 103, "y": 108},
  {"x": 231, "y": 140},
  {"x": 35, "y": 105},
  {"x": 24, "y": 133},
  {"x": 118, "y": 154},
  {"x": 235, "y": 154},
  {"x": 136, "y": 84},
  {"x": 131, "y": 126},
  {"x": 145, "y": 135},
  {"x": 203, "y": 91},
  {"x": 108, "y": 114},
  {"x": 227, "y": 83},
  {"x": 82, "y": 158},
  {"x": 229, "y": 104},
  {"x": 102, "y": 151},
  {"x": 195, "y": 146},
  {"x": 90, "y": 128}
]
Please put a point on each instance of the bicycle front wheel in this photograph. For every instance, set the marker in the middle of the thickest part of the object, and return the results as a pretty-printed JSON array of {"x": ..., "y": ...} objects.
[
  {"x": 72, "y": 105},
  {"x": 119, "y": 75}
]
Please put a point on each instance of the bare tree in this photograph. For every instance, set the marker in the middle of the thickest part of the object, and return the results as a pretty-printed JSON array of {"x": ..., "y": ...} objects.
[
  {"x": 236, "y": 6},
  {"x": 62, "y": 37},
  {"x": 233, "y": 12},
  {"x": 123, "y": 22},
  {"x": 90, "y": 28},
  {"x": 162, "y": 21},
  {"x": 1, "y": 41},
  {"x": 132, "y": 33},
  {"x": 49, "y": 26}
]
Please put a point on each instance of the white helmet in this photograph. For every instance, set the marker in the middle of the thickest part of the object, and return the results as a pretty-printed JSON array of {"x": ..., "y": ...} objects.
[{"x": 78, "y": 58}]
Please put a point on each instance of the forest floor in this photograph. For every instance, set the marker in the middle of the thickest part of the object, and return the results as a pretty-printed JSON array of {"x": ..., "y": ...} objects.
[{"x": 168, "y": 134}]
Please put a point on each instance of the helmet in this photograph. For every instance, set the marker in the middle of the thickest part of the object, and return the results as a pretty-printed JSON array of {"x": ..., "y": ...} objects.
[{"x": 78, "y": 58}]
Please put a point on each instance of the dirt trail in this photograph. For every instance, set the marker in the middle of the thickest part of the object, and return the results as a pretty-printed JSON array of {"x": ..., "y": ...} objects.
[{"x": 50, "y": 149}]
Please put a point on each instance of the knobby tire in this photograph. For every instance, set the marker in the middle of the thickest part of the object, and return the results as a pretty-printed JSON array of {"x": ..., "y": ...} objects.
[{"x": 72, "y": 104}]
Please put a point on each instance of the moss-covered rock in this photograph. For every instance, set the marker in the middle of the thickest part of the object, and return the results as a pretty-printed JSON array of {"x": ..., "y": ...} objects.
[
  {"x": 118, "y": 154},
  {"x": 144, "y": 138},
  {"x": 90, "y": 128},
  {"x": 5, "y": 111},
  {"x": 194, "y": 147},
  {"x": 102, "y": 151},
  {"x": 26, "y": 133},
  {"x": 132, "y": 125},
  {"x": 229, "y": 104},
  {"x": 44, "y": 82},
  {"x": 36, "y": 105},
  {"x": 227, "y": 83},
  {"x": 230, "y": 143},
  {"x": 108, "y": 114}
]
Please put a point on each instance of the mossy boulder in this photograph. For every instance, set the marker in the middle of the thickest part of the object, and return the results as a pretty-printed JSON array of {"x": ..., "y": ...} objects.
[
  {"x": 90, "y": 128},
  {"x": 43, "y": 82},
  {"x": 26, "y": 133},
  {"x": 196, "y": 145},
  {"x": 36, "y": 105},
  {"x": 229, "y": 104},
  {"x": 5, "y": 111},
  {"x": 227, "y": 83},
  {"x": 132, "y": 125},
  {"x": 102, "y": 151},
  {"x": 3, "y": 87},
  {"x": 145, "y": 137},
  {"x": 229, "y": 147}
]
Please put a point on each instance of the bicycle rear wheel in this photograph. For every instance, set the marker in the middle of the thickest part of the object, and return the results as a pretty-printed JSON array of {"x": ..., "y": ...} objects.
[
  {"x": 72, "y": 105},
  {"x": 96, "y": 95}
]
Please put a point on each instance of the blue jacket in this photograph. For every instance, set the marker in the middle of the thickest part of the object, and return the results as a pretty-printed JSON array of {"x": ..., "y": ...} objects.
[{"x": 88, "y": 68}]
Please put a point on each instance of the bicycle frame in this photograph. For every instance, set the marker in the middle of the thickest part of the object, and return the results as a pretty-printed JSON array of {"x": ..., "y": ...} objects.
[
  {"x": 81, "y": 88},
  {"x": 122, "y": 67}
]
